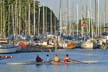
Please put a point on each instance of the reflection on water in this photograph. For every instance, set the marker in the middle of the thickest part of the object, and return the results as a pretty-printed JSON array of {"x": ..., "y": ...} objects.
[{"x": 82, "y": 55}]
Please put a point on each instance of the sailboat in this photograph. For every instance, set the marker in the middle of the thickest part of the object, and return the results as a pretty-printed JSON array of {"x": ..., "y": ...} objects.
[
  {"x": 89, "y": 43},
  {"x": 5, "y": 45}
]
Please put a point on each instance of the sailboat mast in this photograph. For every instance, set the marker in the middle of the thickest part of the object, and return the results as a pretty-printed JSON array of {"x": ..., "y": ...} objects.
[
  {"x": 96, "y": 10},
  {"x": 43, "y": 19},
  {"x": 89, "y": 16},
  {"x": 82, "y": 28},
  {"x": 9, "y": 11},
  {"x": 16, "y": 17},
  {"x": 38, "y": 20},
  {"x": 60, "y": 23},
  {"x": 68, "y": 17},
  {"x": 13, "y": 26},
  {"x": 104, "y": 14},
  {"x": 98, "y": 19},
  {"x": 4, "y": 24},
  {"x": 51, "y": 22},
  {"x": 25, "y": 18},
  {"x": 46, "y": 21},
  {"x": 29, "y": 26},
  {"x": 91, "y": 19},
  {"x": 19, "y": 15},
  {"x": 77, "y": 17},
  {"x": 97, "y": 16},
  {"x": 55, "y": 25},
  {"x": 34, "y": 18},
  {"x": 1, "y": 11}
]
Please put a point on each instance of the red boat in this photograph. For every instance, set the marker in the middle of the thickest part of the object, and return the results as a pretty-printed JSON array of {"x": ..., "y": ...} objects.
[{"x": 23, "y": 44}]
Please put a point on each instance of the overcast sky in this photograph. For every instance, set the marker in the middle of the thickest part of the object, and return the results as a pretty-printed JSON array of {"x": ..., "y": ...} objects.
[{"x": 82, "y": 4}]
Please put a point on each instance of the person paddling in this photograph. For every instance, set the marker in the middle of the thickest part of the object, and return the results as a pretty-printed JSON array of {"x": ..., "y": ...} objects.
[
  {"x": 38, "y": 59},
  {"x": 56, "y": 58},
  {"x": 67, "y": 58}
]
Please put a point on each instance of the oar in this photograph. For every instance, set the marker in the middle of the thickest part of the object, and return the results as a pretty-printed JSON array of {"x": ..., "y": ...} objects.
[
  {"x": 85, "y": 62},
  {"x": 76, "y": 61}
]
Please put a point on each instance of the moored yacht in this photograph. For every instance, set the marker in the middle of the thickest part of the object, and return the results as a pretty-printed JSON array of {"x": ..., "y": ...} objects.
[{"x": 5, "y": 47}]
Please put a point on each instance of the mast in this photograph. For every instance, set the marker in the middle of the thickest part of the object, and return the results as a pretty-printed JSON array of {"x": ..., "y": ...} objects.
[
  {"x": 9, "y": 11},
  {"x": 68, "y": 17},
  {"x": 89, "y": 16},
  {"x": 19, "y": 16},
  {"x": 1, "y": 16},
  {"x": 98, "y": 19},
  {"x": 51, "y": 22},
  {"x": 38, "y": 20},
  {"x": 16, "y": 17},
  {"x": 82, "y": 19},
  {"x": 4, "y": 23},
  {"x": 97, "y": 16},
  {"x": 104, "y": 15},
  {"x": 46, "y": 25},
  {"x": 55, "y": 24},
  {"x": 43, "y": 20},
  {"x": 77, "y": 7},
  {"x": 29, "y": 26},
  {"x": 91, "y": 21},
  {"x": 25, "y": 19},
  {"x": 60, "y": 23},
  {"x": 13, "y": 26},
  {"x": 34, "y": 18}
]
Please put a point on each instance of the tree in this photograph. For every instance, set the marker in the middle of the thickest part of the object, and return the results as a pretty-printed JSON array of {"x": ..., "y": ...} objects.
[{"x": 14, "y": 14}]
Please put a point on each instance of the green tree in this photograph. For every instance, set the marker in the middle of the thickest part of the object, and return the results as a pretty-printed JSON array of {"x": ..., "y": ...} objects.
[{"x": 16, "y": 12}]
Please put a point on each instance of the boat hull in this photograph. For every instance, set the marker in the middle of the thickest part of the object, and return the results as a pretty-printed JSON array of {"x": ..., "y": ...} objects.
[
  {"x": 8, "y": 50},
  {"x": 87, "y": 45}
]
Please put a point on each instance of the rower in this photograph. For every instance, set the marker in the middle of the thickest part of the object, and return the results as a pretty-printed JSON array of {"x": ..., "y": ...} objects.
[
  {"x": 39, "y": 59},
  {"x": 67, "y": 59},
  {"x": 56, "y": 58},
  {"x": 48, "y": 58}
]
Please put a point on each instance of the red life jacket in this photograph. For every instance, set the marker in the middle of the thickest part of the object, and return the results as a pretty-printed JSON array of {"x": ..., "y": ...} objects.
[{"x": 66, "y": 59}]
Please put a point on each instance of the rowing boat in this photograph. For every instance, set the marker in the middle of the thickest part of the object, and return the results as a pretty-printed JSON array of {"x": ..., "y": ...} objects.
[{"x": 52, "y": 62}]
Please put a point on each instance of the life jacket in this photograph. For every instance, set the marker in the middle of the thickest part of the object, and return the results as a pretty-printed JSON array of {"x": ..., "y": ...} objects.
[
  {"x": 56, "y": 59},
  {"x": 66, "y": 59}
]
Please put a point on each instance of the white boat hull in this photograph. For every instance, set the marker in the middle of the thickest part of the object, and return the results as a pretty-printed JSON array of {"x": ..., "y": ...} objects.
[
  {"x": 87, "y": 45},
  {"x": 8, "y": 50}
]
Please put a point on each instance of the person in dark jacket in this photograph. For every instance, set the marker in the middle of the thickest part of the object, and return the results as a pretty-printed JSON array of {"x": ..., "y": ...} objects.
[{"x": 39, "y": 59}]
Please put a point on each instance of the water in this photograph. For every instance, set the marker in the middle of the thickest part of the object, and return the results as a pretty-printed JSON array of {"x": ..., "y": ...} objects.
[{"x": 101, "y": 56}]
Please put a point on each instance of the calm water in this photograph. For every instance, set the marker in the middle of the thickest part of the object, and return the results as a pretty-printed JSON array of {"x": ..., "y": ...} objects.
[{"x": 83, "y": 55}]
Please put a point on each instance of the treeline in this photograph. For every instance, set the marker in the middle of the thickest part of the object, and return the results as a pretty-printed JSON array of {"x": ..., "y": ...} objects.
[{"x": 18, "y": 16}]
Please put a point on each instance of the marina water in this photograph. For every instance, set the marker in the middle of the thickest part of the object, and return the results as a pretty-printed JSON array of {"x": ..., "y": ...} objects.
[{"x": 98, "y": 55}]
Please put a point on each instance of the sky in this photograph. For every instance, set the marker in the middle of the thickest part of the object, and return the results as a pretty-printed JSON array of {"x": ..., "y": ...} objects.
[{"x": 72, "y": 5}]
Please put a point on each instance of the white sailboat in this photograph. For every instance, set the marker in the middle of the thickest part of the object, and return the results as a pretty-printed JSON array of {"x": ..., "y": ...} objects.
[
  {"x": 88, "y": 44},
  {"x": 5, "y": 46}
]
